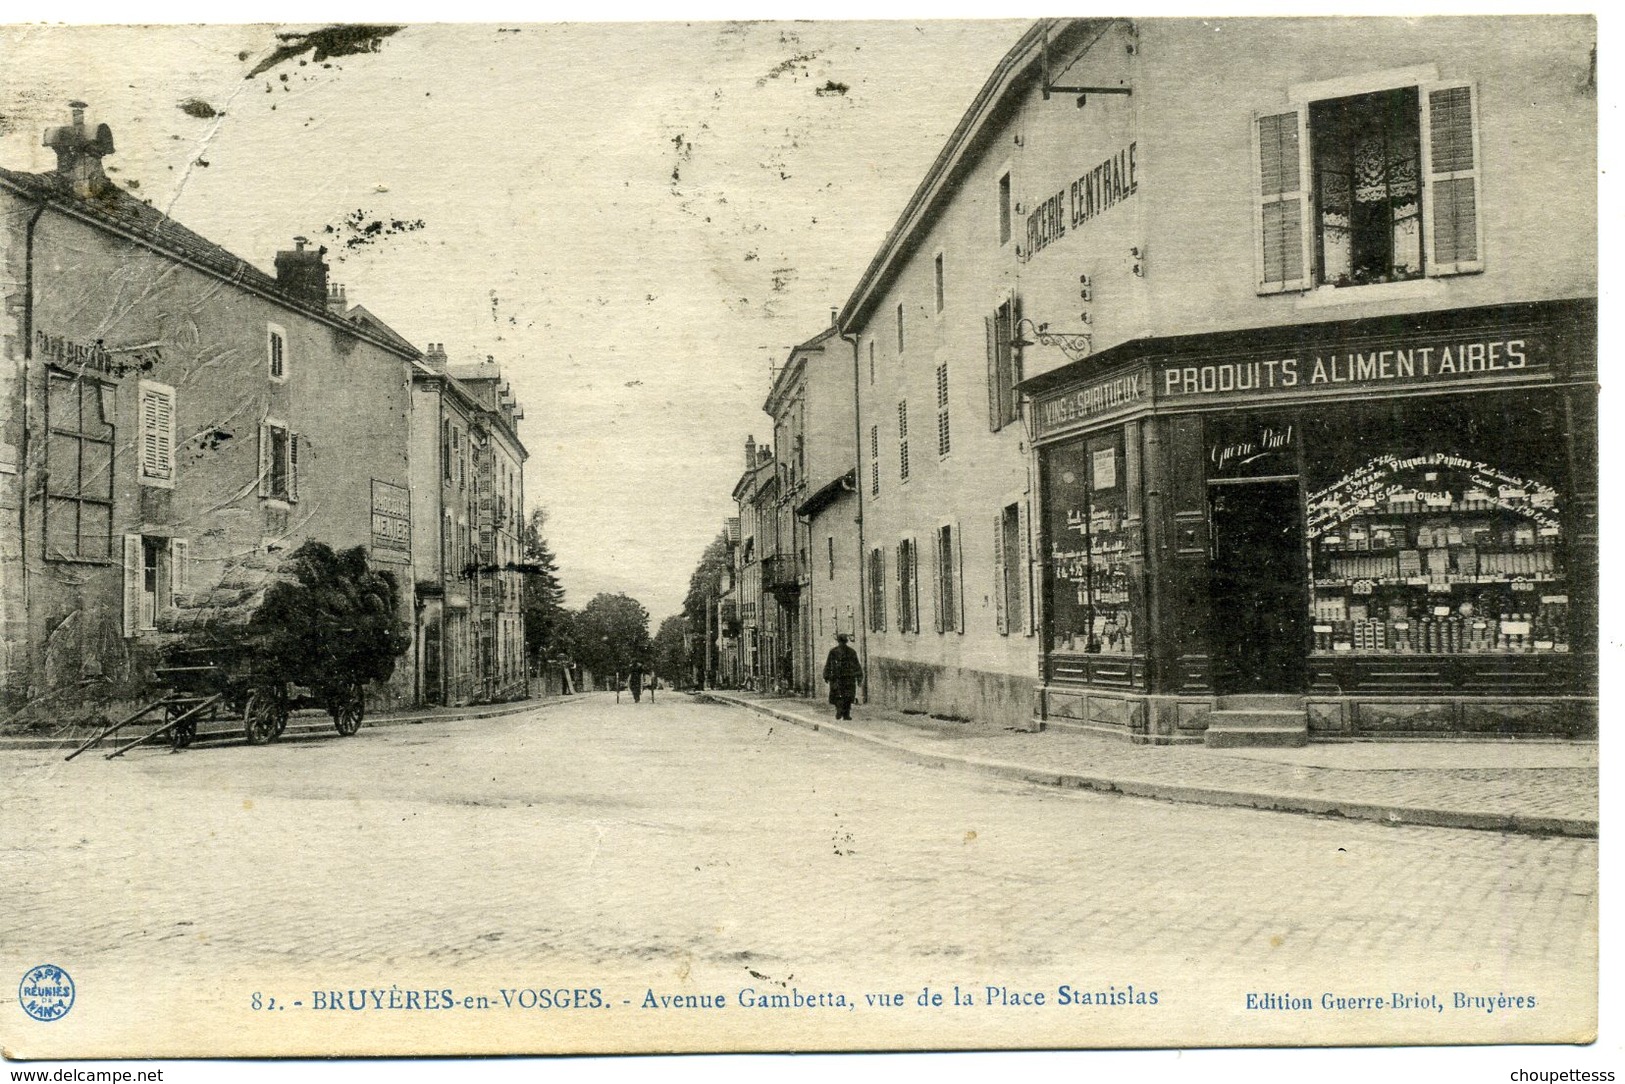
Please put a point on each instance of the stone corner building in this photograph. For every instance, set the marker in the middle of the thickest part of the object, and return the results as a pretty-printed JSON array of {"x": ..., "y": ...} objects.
[
  {"x": 168, "y": 412},
  {"x": 1203, "y": 398}
]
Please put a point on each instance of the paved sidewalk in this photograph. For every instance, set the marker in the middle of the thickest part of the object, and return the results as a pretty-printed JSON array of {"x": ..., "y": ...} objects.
[
  {"x": 301, "y": 724},
  {"x": 1530, "y": 787}
]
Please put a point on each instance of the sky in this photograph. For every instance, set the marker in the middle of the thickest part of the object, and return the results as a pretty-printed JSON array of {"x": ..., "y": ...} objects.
[{"x": 636, "y": 220}]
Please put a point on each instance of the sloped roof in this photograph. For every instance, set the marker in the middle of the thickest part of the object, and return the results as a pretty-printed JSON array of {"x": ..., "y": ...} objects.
[
  {"x": 360, "y": 314},
  {"x": 115, "y": 208},
  {"x": 1008, "y": 79}
]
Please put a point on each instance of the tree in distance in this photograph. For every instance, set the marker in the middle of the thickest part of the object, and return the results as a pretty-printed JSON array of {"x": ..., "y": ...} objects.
[
  {"x": 611, "y": 633},
  {"x": 547, "y": 624},
  {"x": 672, "y": 663}
]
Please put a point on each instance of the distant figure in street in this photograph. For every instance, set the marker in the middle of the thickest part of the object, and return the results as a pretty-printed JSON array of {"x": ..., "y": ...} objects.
[
  {"x": 635, "y": 680},
  {"x": 843, "y": 672}
]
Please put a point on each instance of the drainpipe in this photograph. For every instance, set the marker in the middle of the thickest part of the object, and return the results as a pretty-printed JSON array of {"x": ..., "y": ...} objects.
[
  {"x": 23, "y": 450},
  {"x": 857, "y": 460}
]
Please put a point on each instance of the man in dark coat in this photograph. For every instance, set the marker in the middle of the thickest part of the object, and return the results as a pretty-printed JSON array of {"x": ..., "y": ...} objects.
[
  {"x": 843, "y": 672},
  {"x": 635, "y": 679}
]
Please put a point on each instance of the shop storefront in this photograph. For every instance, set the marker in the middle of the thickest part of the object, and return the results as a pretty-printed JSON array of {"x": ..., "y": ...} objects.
[{"x": 1389, "y": 526}]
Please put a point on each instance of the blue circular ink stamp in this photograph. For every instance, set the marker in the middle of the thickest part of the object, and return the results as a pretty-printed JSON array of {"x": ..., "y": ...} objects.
[{"x": 46, "y": 992}]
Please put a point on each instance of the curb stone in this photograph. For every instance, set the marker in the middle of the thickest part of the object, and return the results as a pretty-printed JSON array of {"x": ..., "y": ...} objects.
[
  {"x": 1283, "y": 802},
  {"x": 20, "y": 742}
]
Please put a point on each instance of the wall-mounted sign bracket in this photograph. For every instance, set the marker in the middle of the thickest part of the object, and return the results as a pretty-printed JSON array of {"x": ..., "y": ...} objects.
[{"x": 1082, "y": 92}]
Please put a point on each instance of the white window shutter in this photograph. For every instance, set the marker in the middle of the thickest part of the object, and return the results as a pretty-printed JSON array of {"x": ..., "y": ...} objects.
[
  {"x": 1281, "y": 224},
  {"x": 959, "y": 581},
  {"x": 1451, "y": 221},
  {"x": 265, "y": 459},
  {"x": 1026, "y": 612},
  {"x": 132, "y": 583},
  {"x": 180, "y": 571},
  {"x": 1001, "y": 613},
  {"x": 157, "y": 433}
]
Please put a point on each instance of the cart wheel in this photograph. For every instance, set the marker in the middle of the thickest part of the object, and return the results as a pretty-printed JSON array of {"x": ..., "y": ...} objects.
[
  {"x": 348, "y": 712},
  {"x": 260, "y": 718},
  {"x": 181, "y": 736}
]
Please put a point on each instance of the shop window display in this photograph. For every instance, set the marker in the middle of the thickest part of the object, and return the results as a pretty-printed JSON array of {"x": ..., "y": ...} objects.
[
  {"x": 1090, "y": 605},
  {"x": 1445, "y": 536}
]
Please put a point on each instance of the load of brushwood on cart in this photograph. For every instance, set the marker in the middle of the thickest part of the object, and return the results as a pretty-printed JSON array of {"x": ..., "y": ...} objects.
[{"x": 314, "y": 627}]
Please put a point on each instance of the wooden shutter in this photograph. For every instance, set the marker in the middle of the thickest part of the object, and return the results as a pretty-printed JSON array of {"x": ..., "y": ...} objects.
[
  {"x": 938, "y": 603},
  {"x": 157, "y": 439},
  {"x": 265, "y": 459},
  {"x": 180, "y": 571},
  {"x": 132, "y": 583},
  {"x": 1025, "y": 614},
  {"x": 1001, "y": 615},
  {"x": 902, "y": 586},
  {"x": 878, "y": 589},
  {"x": 293, "y": 465},
  {"x": 958, "y": 573},
  {"x": 914, "y": 584},
  {"x": 1280, "y": 148},
  {"x": 1013, "y": 404},
  {"x": 995, "y": 405},
  {"x": 1451, "y": 221}
]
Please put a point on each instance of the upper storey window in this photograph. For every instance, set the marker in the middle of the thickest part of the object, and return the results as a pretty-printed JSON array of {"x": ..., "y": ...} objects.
[
  {"x": 1369, "y": 188},
  {"x": 1367, "y": 164}
]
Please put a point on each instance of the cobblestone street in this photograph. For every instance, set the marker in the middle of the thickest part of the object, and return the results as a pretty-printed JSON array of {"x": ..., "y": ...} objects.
[{"x": 687, "y": 847}]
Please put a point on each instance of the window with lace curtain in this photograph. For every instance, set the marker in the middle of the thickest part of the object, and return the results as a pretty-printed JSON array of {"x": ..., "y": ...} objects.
[
  {"x": 1370, "y": 188},
  {"x": 1367, "y": 163}
]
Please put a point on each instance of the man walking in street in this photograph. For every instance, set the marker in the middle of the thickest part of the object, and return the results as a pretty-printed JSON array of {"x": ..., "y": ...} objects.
[
  {"x": 843, "y": 672},
  {"x": 635, "y": 680}
]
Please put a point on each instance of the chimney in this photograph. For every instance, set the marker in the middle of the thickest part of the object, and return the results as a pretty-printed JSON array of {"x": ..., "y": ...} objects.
[
  {"x": 834, "y": 315},
  {"x": 302, "y": 273},
  {"x": 436, "y": 355},
  {"x": 79, "y": 153},
  {"x": 750, "y": 452},
  {"x": 337, "y": 303}
]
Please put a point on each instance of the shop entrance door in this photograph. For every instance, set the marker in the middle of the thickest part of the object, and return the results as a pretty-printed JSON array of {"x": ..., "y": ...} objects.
[{"x": 1258, "y": 597}]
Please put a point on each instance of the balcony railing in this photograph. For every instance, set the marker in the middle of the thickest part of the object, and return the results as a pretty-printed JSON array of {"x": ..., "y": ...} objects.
[{"x": 781, "y": 572}]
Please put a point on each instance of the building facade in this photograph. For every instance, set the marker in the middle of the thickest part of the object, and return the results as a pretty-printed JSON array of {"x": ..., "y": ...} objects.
[
  {"x": 813, "y": 410},
  {"x": 762, "y": 639},
  {"x": 168, "y": 413},
  {"x": 468, "y": 493},
  {"x": 1309, "y": 455},
  {"x": 723, "y": 664}
]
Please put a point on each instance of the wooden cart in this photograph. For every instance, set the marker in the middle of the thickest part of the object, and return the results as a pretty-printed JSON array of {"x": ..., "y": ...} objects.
[{"x": 207, "y": 685}]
